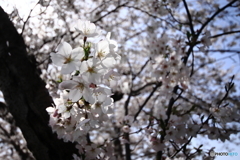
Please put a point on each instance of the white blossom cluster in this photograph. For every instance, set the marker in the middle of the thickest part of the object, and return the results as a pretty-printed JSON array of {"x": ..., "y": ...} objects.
[
  {"x": 85, "y": 103},
  {"x": 167, "y": 65},
  {"x": 171, "y": 71}
]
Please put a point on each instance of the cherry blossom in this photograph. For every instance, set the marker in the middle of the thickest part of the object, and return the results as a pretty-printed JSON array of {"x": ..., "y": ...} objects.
[
  {"x": 92, "y": 71},
  {"x": 78, "y": 89},
  {"x": 86, "y": 104},
  {"x": 206, "y": 41},
  {"x": 86, "y": 28},
  {"x": 66, "y": 57},
  {"x": 101, "y": 105},
  {"x": 102, "y": 49}
]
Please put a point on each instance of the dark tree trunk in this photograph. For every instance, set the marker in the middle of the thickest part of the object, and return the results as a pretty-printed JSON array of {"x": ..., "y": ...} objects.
[{"x": 26, "y": 96}]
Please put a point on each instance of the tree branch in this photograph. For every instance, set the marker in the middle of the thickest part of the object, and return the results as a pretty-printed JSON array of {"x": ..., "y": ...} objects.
[
  {"x": 202, "y": 27},
  {"x": 189, "y": 17},
  {"x": 225, "y": 33},
  {"x": 147, "y": 99}
]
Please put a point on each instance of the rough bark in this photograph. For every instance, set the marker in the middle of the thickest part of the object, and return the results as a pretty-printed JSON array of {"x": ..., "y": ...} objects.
[{"x": 26, "y": 96}]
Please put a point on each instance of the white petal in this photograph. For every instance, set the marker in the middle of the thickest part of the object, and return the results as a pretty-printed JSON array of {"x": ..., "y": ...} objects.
[
  {"x": 69, "y": 84},
  {"x": 66, "y": 115},
  {"x": 68, "y": 68},
  {"x": 83, "y": 122},
  {"x": 75, "y": 95},
  {"x": 109, "y": 62},
  {"x": 106, "y": 90},
  {"x": 78, "y": 79},
  {"x": 61, "y": 108},
  {"x": 50, "y": 109},
  {"x": 108, "y": 36},
  {"x": 104, "y": 109},
  {"x": 94, "y": 78},
  {"x": 64, "y": 49},
  {"x": 57, "y": 59},
  {"x": 112, "y": 44},
  {"x": 97, "y": 110},
  {"x": 108, "y": 101},
  {"x": 103, "y": 48},
  {"x": 101, "y": 97},
  {"x": 87, "y": 94},
  {"x": 84, "y": 67},
  {"x": 77, "y": 53}
]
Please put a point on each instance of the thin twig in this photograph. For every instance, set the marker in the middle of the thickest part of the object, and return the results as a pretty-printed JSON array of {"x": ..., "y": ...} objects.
[
  {"x": 146, "y": 100},
  {"x": 225, "y": 33}
]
